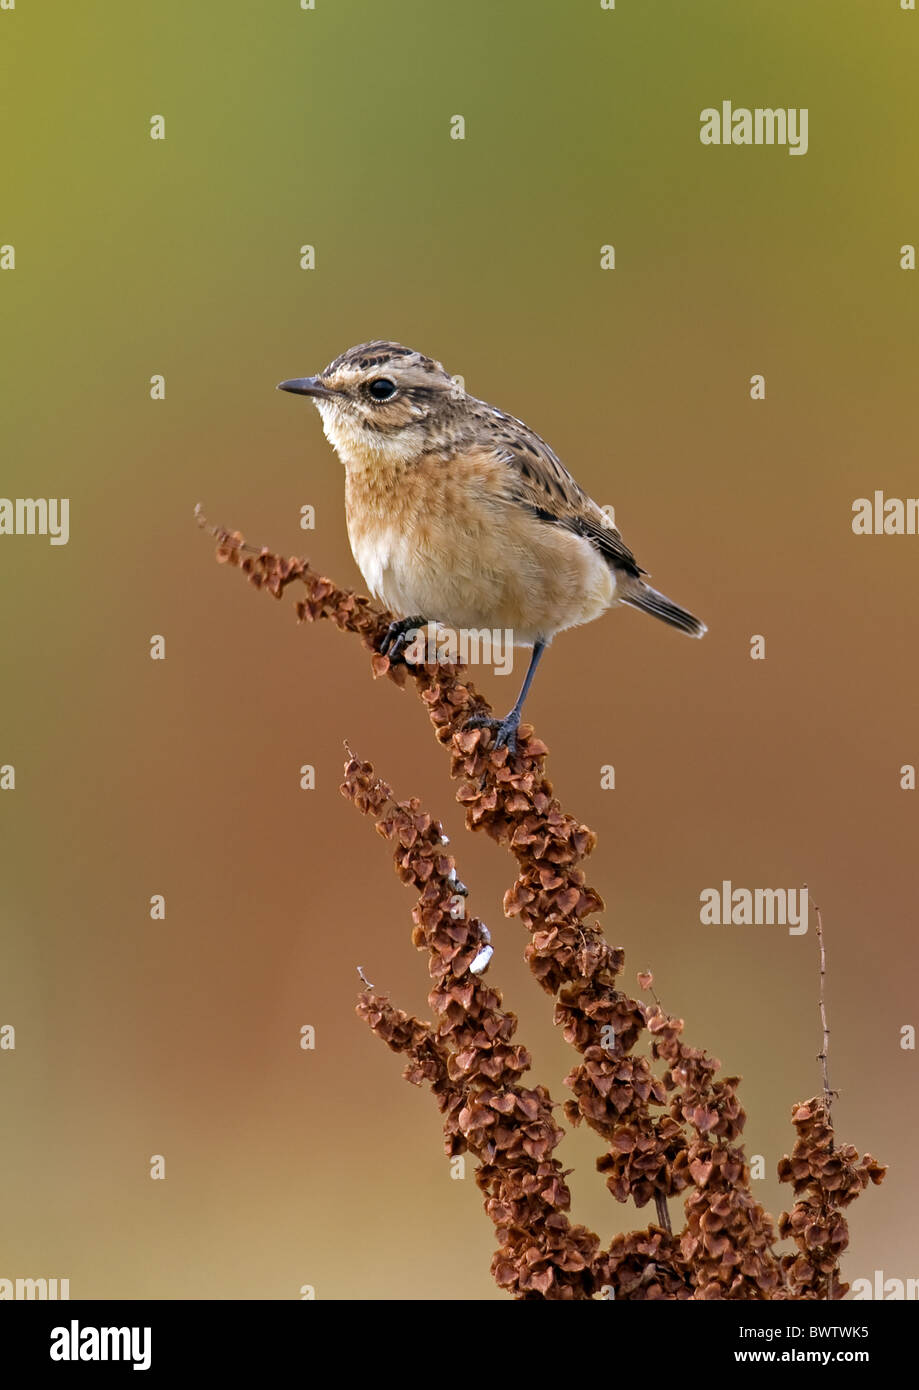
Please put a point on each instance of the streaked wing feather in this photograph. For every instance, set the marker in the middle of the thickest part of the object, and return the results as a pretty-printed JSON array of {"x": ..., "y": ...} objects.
[{"x": 539, "y": 479}]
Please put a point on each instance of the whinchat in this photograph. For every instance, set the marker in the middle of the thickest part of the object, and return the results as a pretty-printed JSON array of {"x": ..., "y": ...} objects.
[{"x": 461, "y": 515}]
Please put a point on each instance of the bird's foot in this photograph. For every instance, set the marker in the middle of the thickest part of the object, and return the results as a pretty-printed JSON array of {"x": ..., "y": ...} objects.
[
  {"x": 398, "y": 636},
  {"x": 504, "y": 730}
]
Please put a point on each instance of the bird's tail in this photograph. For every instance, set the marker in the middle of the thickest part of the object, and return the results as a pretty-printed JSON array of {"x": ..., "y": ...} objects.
[{"x": 659, "y": 606}]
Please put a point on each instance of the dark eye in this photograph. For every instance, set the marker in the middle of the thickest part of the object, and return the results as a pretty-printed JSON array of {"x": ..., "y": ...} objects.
[{"x": 382, "y": 389}]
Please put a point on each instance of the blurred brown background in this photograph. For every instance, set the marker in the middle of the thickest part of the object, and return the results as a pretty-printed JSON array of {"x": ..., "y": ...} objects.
[{"x": 134, "y": 777}]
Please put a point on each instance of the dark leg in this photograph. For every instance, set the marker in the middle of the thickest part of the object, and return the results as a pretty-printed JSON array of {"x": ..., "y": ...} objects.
[
  {"x": 397, "y": 636},
  {"x": 506, "y": 728}
]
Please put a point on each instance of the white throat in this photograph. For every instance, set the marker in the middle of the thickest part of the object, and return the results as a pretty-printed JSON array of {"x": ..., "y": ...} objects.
[{"x": 363, "y": 448}]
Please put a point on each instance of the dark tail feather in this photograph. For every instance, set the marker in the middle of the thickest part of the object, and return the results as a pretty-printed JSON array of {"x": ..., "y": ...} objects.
[{"x": 650, "y": 601}]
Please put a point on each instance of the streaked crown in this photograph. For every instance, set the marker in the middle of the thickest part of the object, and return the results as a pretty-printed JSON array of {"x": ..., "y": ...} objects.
[{"x": 381, "y": 397}]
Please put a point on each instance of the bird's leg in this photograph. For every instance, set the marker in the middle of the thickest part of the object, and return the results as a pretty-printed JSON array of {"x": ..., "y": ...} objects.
[
  {"x": 505, "y": 730},
  {"x": 397, "y": 637}
]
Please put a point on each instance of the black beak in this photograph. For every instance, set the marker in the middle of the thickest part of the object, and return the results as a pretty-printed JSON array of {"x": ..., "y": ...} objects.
[{"x": 306, "y": 386}]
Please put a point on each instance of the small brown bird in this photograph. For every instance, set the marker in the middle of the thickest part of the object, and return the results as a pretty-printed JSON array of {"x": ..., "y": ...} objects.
[{"x": 461, "y": 515}]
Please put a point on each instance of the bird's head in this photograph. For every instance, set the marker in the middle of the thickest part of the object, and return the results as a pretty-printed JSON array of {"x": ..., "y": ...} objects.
[{"x": 382, "y": 403}]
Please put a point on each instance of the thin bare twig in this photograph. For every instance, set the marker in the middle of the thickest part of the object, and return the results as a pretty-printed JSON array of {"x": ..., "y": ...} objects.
[
  {"x": 663, "y": 1212},
  {"x": 823, "y": 1057}
]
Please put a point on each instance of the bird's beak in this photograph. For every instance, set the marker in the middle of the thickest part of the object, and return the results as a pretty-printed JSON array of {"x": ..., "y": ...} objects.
[{"x": 306, "y": 386}]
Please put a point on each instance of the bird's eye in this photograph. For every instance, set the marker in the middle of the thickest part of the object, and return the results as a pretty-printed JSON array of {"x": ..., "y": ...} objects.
[{"x": 382, "y": 389}]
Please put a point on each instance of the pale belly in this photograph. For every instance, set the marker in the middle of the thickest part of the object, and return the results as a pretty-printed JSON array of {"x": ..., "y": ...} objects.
[{"x": 528, "y": 577}]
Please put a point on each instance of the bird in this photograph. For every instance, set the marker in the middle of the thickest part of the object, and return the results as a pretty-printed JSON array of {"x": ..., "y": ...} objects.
[{"x": 459, "y": 514}]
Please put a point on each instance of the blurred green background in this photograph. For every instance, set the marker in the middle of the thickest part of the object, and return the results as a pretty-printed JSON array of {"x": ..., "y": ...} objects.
[{"x": 134, "y": 257}]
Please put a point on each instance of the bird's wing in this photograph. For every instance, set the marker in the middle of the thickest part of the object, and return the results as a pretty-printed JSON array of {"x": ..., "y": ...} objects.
[{"x": 539, "y": 480}]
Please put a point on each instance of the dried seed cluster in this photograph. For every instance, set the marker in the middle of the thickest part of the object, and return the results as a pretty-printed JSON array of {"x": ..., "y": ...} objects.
[
  {"x": 825, "y": 1177},
  {"x": 468, "y": 1057},
  {"x": 475, "y": 1069}
]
